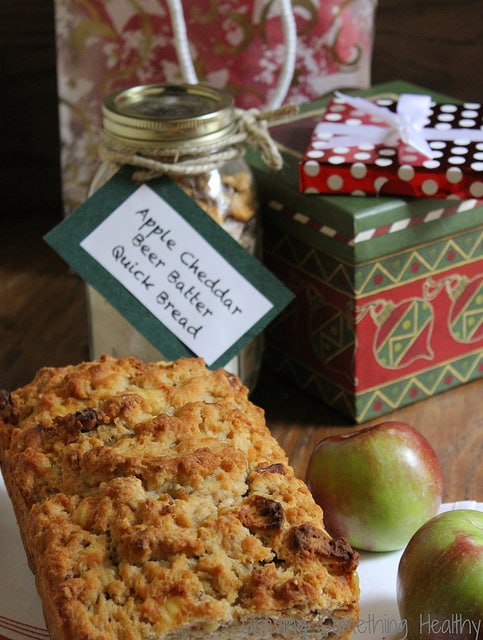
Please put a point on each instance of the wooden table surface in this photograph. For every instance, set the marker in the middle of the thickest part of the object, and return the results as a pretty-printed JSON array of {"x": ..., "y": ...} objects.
[{"x": 43, "y": 322}]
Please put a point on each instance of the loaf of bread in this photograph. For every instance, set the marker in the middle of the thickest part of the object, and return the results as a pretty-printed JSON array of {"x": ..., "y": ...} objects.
[{"x": 154, "y": 504}]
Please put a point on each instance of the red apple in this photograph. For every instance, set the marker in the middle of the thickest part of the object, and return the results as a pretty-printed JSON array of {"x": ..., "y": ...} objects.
[
  {"x": 376, "y": 485},
  {"x": 440, "y": 578}
]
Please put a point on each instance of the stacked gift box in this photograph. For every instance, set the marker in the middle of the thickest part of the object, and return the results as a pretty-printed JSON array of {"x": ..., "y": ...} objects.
[{"x": 382, "y": 245}]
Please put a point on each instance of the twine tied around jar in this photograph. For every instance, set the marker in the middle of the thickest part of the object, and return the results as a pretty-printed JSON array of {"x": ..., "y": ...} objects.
[{"x": 251, "y": 129}]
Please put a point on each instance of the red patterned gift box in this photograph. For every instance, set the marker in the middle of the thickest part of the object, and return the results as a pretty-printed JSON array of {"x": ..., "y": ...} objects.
[
  {"x": 406, "y": 145},
  {"x": 388, "y": 305}
]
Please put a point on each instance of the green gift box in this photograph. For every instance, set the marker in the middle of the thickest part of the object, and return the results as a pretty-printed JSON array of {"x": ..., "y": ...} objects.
[{"x": 388, "y": 306}]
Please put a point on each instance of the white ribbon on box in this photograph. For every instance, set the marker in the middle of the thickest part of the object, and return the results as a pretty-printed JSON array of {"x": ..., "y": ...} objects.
[{"x": 405, "y": 125}]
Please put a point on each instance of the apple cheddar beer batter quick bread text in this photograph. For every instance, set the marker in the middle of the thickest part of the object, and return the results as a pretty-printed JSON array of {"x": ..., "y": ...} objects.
[{"x": 154, "y": 503}]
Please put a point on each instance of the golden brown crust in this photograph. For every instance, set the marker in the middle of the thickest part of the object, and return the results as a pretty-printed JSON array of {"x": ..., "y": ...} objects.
[{"x": 153, "y": 500}]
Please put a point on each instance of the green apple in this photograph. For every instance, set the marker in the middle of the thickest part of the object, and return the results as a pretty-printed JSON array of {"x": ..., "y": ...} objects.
[
  {"x": 440, "y": 578},
  {"x": 376, "y": 485}
]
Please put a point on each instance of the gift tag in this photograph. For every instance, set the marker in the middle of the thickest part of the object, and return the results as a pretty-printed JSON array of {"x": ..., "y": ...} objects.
[{"x": 171, "y": 270}]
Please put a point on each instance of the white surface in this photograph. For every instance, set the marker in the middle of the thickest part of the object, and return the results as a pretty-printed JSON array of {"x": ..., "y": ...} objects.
[{"x": 21, "y": 614}]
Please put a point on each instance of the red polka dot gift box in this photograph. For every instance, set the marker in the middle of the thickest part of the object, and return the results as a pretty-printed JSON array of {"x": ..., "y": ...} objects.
[
  {"x": 405, "y": 144},
  {"x": 388, "y": 306}
]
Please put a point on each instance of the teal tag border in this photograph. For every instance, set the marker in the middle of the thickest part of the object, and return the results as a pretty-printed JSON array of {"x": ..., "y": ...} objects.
[{"x": 66, "y": 237}]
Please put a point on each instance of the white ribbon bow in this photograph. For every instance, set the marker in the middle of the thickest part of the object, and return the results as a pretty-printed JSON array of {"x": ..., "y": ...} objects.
[{"x": 406, "y": 125}]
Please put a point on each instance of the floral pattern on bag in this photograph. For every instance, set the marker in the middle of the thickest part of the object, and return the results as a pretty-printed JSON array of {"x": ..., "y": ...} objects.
[{"x": 104, "y": 45}]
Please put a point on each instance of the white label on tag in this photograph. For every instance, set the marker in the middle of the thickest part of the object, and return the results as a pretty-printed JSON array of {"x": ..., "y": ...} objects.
[{"x": 176, "y": 274}]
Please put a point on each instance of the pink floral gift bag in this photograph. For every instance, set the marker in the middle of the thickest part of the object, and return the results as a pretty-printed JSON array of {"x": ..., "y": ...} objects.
[{"x": 263, "y": 51}]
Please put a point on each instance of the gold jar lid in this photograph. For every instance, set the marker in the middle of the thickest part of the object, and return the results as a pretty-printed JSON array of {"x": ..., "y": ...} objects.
[{"x": 168, "y": 115}]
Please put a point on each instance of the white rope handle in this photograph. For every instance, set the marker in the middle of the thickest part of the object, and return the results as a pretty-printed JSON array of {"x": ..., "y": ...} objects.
[
  {"x": 181, "y": 42},
  {"x": 290, "y": 34}
]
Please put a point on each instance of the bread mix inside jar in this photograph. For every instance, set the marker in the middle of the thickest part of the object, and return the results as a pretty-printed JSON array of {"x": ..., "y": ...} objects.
[{"x": 188, "y": 132}]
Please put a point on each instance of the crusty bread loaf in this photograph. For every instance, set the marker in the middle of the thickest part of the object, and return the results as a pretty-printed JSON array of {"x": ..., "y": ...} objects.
[{"x": 154, "y": 503}]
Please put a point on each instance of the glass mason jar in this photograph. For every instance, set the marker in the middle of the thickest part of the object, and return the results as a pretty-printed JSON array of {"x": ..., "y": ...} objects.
[{"x": 172, "y": 123}]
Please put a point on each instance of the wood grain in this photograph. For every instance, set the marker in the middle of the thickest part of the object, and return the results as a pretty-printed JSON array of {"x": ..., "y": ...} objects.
[
  {"x": 437, "y": 44},
  {"x": 452, "y": 422},
  {"x": 43, "y": 317}
]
